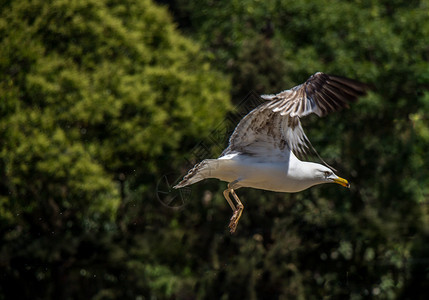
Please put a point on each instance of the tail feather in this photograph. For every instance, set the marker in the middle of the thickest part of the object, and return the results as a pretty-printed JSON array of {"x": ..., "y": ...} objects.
[{"x": 199, "y": 172}]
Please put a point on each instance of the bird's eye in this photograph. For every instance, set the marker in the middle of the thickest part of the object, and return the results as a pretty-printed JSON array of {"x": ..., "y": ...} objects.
[{"x": 327, "y": 173}]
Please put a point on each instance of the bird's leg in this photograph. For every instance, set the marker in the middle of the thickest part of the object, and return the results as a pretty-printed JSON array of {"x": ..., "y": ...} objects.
[
  {"x": 226, "y": 195},
  {"x": 238, "y": 211}
]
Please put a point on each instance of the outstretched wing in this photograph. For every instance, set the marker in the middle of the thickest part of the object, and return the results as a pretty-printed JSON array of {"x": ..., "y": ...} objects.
[
  {"x": 320, "y": 94},
  {"x": 275, "y": 124}
]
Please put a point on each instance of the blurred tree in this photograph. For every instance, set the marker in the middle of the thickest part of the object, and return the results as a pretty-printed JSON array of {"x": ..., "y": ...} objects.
[
  {"x": 328, "y": 242},
  {"x": 97, "y": 98}
]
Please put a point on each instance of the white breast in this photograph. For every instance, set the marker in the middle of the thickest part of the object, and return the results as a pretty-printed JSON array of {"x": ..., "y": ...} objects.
[{"x": 280, "y": 176}]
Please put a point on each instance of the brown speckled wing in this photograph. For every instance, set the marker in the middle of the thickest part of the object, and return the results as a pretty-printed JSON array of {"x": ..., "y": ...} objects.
[
  {"x": 275, "y": 124},
  {"x": 320, "y": 94}
]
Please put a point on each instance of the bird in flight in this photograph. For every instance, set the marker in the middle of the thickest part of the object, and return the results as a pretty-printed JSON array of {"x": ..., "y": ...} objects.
[{"x": 264, "y": 148}]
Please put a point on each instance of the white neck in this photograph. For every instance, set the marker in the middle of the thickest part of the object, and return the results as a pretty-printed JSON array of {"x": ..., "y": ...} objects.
[{"x": 303, "y": 171}]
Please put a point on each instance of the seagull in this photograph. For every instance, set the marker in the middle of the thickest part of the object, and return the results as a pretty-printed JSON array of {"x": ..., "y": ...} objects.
[{"x": 264, "y": 148}]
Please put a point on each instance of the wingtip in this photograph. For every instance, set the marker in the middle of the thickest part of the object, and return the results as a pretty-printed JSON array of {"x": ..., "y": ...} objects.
[{"x": 359, "y": 86}]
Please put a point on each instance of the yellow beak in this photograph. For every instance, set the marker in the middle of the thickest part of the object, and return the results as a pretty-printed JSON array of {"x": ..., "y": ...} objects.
[{"x": 342, "y": 182}]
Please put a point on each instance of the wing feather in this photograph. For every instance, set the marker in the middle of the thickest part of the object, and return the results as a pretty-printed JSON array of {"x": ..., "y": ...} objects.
[{"x": 275, "y": 125}]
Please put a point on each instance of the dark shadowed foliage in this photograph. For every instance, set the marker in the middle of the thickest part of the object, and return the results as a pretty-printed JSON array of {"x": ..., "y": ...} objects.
[{"x": 105, "y": 104}]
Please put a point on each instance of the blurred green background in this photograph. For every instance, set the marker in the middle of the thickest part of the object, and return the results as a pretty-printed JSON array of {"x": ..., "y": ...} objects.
[{"x": 103, "y": 104}]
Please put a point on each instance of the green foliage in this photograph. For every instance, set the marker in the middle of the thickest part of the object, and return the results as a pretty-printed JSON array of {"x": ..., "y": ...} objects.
[
  {"x": 97, "y": 98},
  {"x": 336, "y": 244}
]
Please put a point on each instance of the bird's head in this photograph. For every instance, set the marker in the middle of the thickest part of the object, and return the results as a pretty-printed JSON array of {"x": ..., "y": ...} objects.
[
  {"x": 310, "y": 174},
  {"x": 326, "y": 175}
]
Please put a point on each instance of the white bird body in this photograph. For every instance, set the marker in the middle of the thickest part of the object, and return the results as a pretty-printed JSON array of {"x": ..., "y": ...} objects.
[{"x": 288, "y": 175}]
